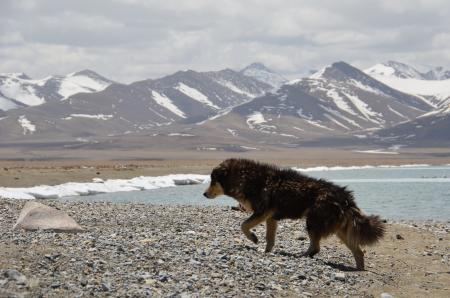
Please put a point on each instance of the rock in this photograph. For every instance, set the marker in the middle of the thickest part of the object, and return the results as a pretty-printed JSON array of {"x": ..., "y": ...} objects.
[
  {"x": 3, "y": 282},
  {"x": 55, "y": 285},
  {"x": 13, "y": 274},
  {"x": 339, "y": 276},
  {"x": 399, "y": 237},
  {"x": 307, "y": 294},
  {"x": 37, "y": 216},
  {"x": 385, "y": 295},
  {"x": 106, "y": 286}
]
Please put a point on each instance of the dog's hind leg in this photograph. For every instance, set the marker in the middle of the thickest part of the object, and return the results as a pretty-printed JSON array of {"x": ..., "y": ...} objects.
[
  {"x": 354, "y": 247},
  {"x": 251, "y": 222},
  {"x": 271, "y": 231}
]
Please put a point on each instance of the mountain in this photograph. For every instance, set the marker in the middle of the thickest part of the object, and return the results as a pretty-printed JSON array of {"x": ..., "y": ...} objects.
[
  {"x": 184, "y": 97},
  {"x": 19, "y": 90},
  {"x": 337, "y": 100},
  {"x": 394, "y": 69},
  {"x": 431, "y": 129},
  {"x": 260, "y": 72},
  {"x": 437, "y": 73},
  {"x": 432, "y": 86}
]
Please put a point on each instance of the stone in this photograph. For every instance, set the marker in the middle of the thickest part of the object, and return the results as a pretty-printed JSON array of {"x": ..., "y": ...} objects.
[
  {"x": 37, "y": 216},
  {"x": 385, "y": 295},
  {"x": 106, "y": 286},
  {"x": 13, "y": 274},
  {"x": 339, "y": 276},
  {"x": 399, "y": 237}
]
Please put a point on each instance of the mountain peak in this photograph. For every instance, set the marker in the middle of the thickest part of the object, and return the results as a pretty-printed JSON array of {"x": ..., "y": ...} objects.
[
  {"x": 394, "y": 69},
  {"x": 260, "y": 72},
  {"x": 17, "y": 75},
  {"x": 257, "y": 66}
]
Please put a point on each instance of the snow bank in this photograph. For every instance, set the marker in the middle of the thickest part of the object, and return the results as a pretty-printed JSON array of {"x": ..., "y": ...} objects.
[{"x": 99, "y": 186}]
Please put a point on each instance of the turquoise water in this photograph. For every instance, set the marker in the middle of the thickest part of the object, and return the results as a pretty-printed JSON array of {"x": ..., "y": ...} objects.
[{"x": 406, "y": 193}]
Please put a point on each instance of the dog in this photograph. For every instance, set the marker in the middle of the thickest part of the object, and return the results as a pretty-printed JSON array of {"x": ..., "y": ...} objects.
[{"x": 272, "y": 194}]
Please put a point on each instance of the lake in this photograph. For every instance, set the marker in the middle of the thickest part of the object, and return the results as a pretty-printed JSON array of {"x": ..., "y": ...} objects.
[{"x": 413, "y": 192}]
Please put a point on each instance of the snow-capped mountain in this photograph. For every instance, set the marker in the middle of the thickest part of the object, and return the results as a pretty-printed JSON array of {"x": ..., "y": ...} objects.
[
  {"x": 184, "y": 97},
  {"x": 437, "y": 73},
  {"x": 19, "y": 90},
  {"x": 394, "y": 69},
  {"x": 264, "y": 74},
  {"x": 432, "y": 86},
  {"x": 337, "y": 100}
]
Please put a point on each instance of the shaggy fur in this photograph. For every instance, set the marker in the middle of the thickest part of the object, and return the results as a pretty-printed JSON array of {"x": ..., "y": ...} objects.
[{"x": 273, "y": 194}]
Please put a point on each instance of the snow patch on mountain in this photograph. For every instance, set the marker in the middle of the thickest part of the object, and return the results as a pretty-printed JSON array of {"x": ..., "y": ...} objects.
[
  {"x": 264, "y": 74},
  {"x": 394, "y": 69},
  {"x": 77, "y": 83},
  {"x": 89, "y": 116},
  {"x": 167, "y": 103},
  {"x": 27, "y": 126},
  {"x": 7, "y": 104},
  {"x": 15, "y": 89},
  {"x": 440, "y": 90},
  {"x": 196, "y": 95}
]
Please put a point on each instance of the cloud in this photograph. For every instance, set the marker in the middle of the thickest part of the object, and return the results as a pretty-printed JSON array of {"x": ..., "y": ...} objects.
[{"x": 128, "y": 40}]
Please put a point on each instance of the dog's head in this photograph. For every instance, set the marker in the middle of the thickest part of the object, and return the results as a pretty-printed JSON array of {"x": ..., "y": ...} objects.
[{"x": 218, "y": 181}]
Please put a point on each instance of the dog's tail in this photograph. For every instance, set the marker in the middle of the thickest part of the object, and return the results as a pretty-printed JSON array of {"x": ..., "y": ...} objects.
[{"x": 363, "y": 229}]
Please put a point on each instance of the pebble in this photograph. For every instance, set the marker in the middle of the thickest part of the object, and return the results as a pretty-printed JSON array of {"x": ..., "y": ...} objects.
[
  {"x": 339, "y": 276},
  {"x": 138, "y": 250},
  {"x": 13, "y": 274},
  {"x": 385, "y": 295}
]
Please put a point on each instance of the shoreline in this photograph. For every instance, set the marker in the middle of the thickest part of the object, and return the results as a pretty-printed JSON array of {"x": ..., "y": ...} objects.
[
  {"x": 139, "y": 249},
  {"x": 100, "y": 185}
]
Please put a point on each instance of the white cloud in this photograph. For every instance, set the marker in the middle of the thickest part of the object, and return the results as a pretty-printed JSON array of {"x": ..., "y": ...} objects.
[{"x": 128, "y": 40}]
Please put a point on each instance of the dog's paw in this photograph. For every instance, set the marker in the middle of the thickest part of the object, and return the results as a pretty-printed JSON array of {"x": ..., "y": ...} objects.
[{"x": 253, "y": 238}]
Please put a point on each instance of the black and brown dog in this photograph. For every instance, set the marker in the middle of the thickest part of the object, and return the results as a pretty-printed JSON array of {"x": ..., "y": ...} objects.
[{"x": 273, "y": 194}]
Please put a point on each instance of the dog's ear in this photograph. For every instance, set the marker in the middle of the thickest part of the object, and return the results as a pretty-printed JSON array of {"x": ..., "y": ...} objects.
[{"x": 219, "y": 174}]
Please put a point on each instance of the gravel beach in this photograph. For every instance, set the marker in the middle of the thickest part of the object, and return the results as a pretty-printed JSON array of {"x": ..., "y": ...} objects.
[{"x": 138, "y": 250}]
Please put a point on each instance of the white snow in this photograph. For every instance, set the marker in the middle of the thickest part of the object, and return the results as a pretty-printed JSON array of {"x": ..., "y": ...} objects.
[
  {"x": 319, "y": 74},
  {"x": 27, "y": 126},
  {"x": 16, "y": 89},
  {"x": 232, "y": 132},
  {"x": 196, "y": 95},
  {"x": 394, "y": 69},
  {"x": 89, "y": 116},
  {"x": 340, "y": 101},
  {"x": 6, "y": 104},
  {"x": 167, "y": 103},
  {"x": 249, "y": 148},
  {"x": 176, "y": 134},
  {"x": 336, "y": 121},
  {"x": 376, "y": 151},
  {"x": 397, "y": 112},
  {"x": 100, "y": 186},
  {"x": 363, "y": 108},
  {"x": 438, "y": 89},
  {"x": 268, "y": 77},
  {"x": 73, "y": 83}
]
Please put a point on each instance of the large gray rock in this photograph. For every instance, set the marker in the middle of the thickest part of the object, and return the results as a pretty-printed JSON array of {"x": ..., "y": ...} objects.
[{"x": 37, "y": 216}]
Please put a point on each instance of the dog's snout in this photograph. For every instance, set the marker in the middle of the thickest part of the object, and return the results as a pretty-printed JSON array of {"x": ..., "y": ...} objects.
[{"x": 205, "y": 194}]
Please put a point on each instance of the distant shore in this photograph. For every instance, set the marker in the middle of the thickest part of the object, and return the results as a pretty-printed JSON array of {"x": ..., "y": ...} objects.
[
  {"x": 143, "y": 249},
  {"x": 89, "y": 165}
]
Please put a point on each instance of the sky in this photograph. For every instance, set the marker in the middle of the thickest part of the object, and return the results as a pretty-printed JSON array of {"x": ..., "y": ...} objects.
[{"x": 129, "y": 40}]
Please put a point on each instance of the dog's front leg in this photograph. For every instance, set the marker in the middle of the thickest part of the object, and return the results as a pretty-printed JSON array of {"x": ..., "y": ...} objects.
[
  {"x": 271, "y": 231},
  {"x": 251, "y": 222}
]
